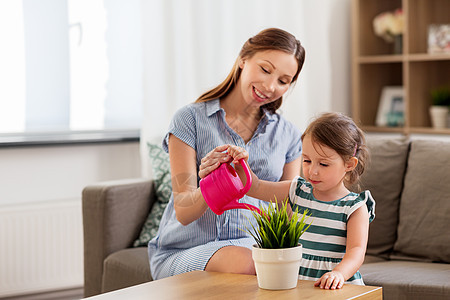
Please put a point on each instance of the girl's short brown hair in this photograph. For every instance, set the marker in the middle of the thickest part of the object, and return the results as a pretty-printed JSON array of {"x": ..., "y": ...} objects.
[{"x": 340, "y": 133}]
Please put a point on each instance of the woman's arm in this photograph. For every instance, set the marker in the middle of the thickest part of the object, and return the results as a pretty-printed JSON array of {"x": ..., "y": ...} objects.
[
  {"x": 188, "y": 201},
  {"x": 357, "y": 235}
]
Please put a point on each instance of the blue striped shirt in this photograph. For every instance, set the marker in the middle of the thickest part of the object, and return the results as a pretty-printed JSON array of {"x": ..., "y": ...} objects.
[
  {"x": 177, "y": 248},
  {"x": 324, "y": 243}
]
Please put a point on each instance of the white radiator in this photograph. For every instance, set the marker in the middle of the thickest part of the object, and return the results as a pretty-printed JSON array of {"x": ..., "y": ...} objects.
[{"x": 41, "y": 247}]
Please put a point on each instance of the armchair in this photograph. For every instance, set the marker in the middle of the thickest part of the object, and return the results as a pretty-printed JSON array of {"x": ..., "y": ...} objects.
[{"x": 113, "y": 215}]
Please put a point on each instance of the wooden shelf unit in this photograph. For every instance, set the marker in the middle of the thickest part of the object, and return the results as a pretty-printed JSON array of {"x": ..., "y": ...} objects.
[{"x": 373, "y": 65}]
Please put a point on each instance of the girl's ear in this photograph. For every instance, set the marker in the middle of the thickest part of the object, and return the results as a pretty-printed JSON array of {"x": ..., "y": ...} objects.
[{"x": 351, "y": 164}]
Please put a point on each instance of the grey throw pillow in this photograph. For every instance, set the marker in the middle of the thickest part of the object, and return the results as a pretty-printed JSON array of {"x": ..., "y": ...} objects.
[
  {"x": 384, "y": 179},
  {"x": 159, "y": 161},
  {"x": 425, "y": 205}
]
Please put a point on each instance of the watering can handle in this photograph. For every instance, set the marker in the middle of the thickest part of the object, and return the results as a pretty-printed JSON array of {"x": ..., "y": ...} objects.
[
  {"x": 248, "y": 184},
  {"x": 243, "y": 191}
]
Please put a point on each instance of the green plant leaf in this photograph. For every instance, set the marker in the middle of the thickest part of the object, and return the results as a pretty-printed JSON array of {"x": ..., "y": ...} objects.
[
  {"x": 441, "y": 96},
  {"x": 276, "y": 228}
]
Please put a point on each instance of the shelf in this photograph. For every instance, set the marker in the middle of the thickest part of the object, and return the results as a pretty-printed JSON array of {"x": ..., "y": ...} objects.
[
  {"x": 383, "y": 129},
  {"x": 426, "y": 130},
  {"x": 374, "y": 59},
  {"x": 403, "y": 130},
  {"x": 427, "y": 57},
  {"x": 417, "y": 71}
]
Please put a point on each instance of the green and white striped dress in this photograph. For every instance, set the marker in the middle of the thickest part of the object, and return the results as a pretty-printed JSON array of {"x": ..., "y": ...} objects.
[{"x": 325, "y": 240}]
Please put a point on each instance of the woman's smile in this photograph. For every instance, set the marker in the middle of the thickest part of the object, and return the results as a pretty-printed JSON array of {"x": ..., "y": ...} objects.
[{"x": 260, "y": 97}]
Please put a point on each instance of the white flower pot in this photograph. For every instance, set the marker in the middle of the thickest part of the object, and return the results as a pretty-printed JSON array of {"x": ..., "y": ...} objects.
[
  {"x": 277, "y": 269},
  {"x": 438, "y": 116}
]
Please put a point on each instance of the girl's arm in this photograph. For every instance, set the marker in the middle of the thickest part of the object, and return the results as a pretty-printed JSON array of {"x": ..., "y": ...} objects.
[
  {"x": 291, "y": 170},
  {"x": 268, "y": 190},
  {"x": 261, "y": 189},
  {"x": 189, "y": 204},
  {"x": 357, "y": 235}
]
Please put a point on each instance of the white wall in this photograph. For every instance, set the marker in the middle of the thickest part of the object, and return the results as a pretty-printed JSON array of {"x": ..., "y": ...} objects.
[
  {"x": 37, "y": 183},
  {"x": 192, "y": 45},
  {"x": 35, "y": 174},
  {"x": 324, "y": 83}
]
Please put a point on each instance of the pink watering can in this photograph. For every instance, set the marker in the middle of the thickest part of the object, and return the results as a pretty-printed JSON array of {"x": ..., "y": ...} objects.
[{"x": 222, "y": 188}]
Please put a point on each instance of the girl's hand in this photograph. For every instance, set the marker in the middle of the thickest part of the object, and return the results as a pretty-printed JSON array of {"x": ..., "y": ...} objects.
[
  {"x": 237, "y": 153},
  {"x": 213, "y": 159},
  {"x": 330, "y": 281}
]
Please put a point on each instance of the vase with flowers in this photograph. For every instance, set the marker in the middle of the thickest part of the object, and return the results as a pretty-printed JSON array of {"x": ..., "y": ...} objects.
[{"x": 389, "y": 26}]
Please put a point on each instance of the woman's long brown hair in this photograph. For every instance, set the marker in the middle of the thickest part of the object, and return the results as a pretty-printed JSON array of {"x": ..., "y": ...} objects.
[{"x": 268, "y": 39}]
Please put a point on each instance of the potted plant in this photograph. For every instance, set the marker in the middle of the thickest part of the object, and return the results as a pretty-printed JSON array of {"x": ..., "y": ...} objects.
[
  {"x": 277, "y": 253},
  {"x": 440, "y": 98}
]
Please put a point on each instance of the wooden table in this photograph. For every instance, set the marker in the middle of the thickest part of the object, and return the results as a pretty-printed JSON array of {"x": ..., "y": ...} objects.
[{"x": 211, "y": 285}]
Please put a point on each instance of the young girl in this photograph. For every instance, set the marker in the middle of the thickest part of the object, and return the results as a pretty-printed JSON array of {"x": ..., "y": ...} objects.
[{"x": 334, "y": 157}]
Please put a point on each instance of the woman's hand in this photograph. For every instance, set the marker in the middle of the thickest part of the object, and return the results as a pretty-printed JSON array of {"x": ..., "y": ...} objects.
[
  {"x": 218, "y": 156},
  {"x": 237, "y": 153},
  {"x": 213, "y": 159},
  {"x": 330, "y": 281}
]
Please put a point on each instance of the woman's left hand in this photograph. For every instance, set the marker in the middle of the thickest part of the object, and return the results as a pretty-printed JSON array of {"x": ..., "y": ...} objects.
[{"x": 330, "y": 281}]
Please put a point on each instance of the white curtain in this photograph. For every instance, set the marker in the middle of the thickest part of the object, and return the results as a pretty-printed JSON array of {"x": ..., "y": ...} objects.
[{"x": 190, "y": 46}]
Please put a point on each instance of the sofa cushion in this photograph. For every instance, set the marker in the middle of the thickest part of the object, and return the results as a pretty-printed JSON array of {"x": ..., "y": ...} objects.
[
  {"x": 125, "y": 268},
  {"x": 159, "y": 161},
  {"x": 425, "y": 203},
  {"x": 384, "y": 179},
  {"x": 409, "y": 280},
  {"x": 368, "y": 259}
]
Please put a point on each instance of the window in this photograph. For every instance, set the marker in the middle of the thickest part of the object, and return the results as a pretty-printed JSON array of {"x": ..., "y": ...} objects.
[{"x": 70, "y": 65}]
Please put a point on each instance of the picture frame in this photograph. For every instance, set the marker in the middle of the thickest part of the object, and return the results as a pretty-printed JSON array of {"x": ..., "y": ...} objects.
[
  {"x": 391, "y": 107},
  {"x": 439, "y": 38}
]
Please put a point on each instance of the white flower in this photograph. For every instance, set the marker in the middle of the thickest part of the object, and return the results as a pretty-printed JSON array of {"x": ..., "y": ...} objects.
[{"x": 389, "y": 24}]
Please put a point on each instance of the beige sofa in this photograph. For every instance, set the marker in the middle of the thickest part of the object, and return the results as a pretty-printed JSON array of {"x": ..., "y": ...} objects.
[{"x": 409, "y": 245}]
